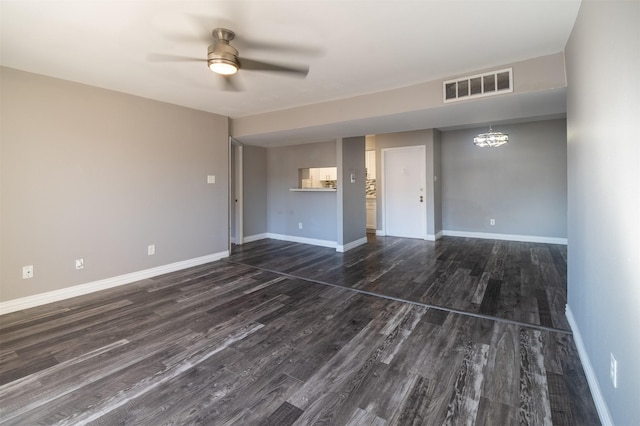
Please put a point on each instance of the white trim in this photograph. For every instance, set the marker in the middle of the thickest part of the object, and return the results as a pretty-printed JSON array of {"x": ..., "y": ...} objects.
[
  {"x": 351, "y": 245},
  {"x": 303, "y": 240},
  {"x": 380, "y": 233},
  {"x": 506, "y": 237},
  {"x": 596, "y": 393},
  {"x": 434, "y": 237},
  {"x": 256, "y": 237},
  {"x": 238, "y": 190},
  {"x": 79, "y": 290}
]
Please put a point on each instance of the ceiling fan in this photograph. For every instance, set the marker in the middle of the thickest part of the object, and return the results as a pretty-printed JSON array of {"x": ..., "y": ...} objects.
[{"x": 223, "y": 59}]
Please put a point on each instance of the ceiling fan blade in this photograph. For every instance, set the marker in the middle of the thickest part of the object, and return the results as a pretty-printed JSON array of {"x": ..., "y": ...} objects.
[
  {"x": 230, "y": 85},
  {"x": 295, "y": 49},
  {"x": 204, "y": 38},
  {"x": 160, "y": 57},
  {"x": 253, "y": 65}
]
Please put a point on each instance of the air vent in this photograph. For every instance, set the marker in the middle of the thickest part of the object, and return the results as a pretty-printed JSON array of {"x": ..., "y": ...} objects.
[{"x": 475, "y": 86}]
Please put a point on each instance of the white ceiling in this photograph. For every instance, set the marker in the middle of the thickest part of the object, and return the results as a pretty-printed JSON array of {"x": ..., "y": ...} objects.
[{"x": 352, "y": 47}]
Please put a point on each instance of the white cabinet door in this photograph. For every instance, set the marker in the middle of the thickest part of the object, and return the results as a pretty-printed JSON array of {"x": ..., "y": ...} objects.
[{"x": 371, "y": 214}]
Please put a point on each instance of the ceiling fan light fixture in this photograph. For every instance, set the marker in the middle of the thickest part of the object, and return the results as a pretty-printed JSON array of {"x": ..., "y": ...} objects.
[
  {"x": 491, "y": 139},
  {"x": 223, "y": 67},
  {"x": 222, "y": 58}
]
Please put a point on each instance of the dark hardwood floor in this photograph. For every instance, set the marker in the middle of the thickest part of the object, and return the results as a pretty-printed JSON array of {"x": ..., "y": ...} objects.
[
  {"x": 521, "y": 282},
  {"x": 228, "y": 343}
]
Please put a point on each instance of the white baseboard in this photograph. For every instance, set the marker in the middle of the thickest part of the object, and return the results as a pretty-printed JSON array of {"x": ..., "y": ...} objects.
[
  {"x": 79, "y": 290},
  {"x": 351, "y": 245},
  {"x": 594, "y": 386},
  {"x": 506, "y": 237},
  {"x": 256, "y": 237},
  {"x": 427, "y": 237},
  {"x": 303, "y": 240},
  {"x": 433, "y": 237}
]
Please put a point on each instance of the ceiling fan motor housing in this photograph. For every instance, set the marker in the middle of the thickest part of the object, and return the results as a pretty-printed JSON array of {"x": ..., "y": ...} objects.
[{"x": 221, "y": 51}]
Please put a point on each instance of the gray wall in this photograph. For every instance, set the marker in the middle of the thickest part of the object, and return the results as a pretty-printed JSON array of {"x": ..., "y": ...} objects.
[
  {"x": 97, "y": 174},
  {"x": 522, "y": 185},
  {"x": 412, "y": 138},
  {"x": 351, "y": 208},
  {"x": 254, "y": 179},
  {"x": 437, "y": 181},
  {"x": 603, "y": 65},
  {"x": 285, "y": 209}
]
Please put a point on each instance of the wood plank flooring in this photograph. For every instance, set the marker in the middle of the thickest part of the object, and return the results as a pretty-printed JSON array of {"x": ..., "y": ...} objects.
[
  {"x": 230, "y": 344},
  {"x": 517, "y": 281}
]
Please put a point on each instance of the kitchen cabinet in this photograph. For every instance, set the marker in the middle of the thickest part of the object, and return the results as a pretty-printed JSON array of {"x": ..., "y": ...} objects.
[
  {"x": 318, "y": 177},
  {"x": 371, "y": 213},
  {"x": 319, "y": 174}
]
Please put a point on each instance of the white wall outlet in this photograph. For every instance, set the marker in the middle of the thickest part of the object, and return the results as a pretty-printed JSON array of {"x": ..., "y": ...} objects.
[
  {"x": 27, "y": 272},
  {"x": 613, "y": 371},
  {"x": 299, "y": 225},
  {"x": 80, "y": 263},
  {"x": 492, "y": 222},
  {"x": 211, "y": 179},
  {"x": 151, "y": 249}
]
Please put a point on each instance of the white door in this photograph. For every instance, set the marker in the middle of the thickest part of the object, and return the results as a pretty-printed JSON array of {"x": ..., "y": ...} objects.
[{"x": 404, "y": 204}]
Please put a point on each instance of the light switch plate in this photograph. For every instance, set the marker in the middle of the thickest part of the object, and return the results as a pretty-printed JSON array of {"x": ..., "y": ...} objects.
[{"x": 211, "y": 179}]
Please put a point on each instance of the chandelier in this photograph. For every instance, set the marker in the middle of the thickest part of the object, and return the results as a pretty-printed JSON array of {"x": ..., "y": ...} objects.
[{"x": 491, "y": 139}]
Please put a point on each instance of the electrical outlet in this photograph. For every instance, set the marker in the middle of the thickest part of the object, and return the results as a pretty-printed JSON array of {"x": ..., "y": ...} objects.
[
  {"x": 151, "y": 249},
  {"x": 211, "y": 179},
  {"x": 613, "y": 371},
  {"x": 27, "y": 272},
  {"x": 80, "y": 263},
  {"x": 299, "y": 225},
  {"x": 492, "y": 222}
]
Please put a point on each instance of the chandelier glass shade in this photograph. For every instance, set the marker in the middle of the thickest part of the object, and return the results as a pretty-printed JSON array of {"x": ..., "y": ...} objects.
[{"x": 491, "y": 139}]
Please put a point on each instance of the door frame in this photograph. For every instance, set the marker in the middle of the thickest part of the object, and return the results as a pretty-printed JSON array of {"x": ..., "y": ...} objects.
[
  {"x": 384, "y": 187},
  {"x": 235, "y": 179}
]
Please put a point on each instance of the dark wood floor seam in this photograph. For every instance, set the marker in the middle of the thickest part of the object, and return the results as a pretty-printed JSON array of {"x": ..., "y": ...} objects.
[{"x": 398, "y": 299}]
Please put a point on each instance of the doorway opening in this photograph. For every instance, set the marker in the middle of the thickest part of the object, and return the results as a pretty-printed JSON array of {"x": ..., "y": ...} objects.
[{"x": 235, "y": 194}]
